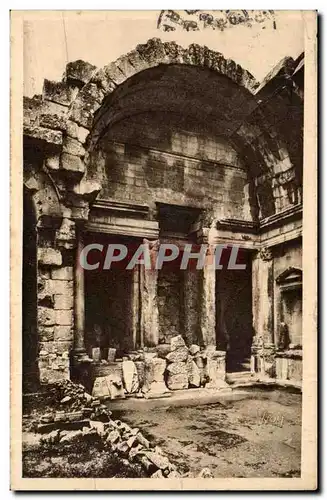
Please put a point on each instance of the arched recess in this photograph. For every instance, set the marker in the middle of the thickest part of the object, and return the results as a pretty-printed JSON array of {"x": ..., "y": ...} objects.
[{"x": 195, "y": 83}]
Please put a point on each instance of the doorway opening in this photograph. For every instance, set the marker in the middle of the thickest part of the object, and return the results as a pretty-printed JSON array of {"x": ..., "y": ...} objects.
[
  {"x": 234, "y": 314},
  {"x": 110, "y": 298},
  {"x": 30, "y": 336}
]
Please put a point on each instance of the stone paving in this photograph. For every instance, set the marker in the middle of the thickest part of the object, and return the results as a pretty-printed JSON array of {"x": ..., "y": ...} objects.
[{"x": 254, "y": 434}]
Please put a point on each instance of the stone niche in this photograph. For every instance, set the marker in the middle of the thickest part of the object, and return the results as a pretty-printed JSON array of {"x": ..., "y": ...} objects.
[{"x": 290, "y": 308}]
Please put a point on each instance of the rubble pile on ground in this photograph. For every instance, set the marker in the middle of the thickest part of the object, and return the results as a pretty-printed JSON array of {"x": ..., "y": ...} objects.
[
  {"x": 154, "y": 372},
  {"x": 77, "y": 416}
]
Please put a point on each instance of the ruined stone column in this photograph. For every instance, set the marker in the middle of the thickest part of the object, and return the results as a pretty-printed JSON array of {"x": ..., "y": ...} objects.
[
  {"x": 207, "y": 298},
  {"x": 149, "y": 299}
]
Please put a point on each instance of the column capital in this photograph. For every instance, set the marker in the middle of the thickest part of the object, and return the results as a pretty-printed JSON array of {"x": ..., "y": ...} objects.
[{"x": 265, "y": 254}]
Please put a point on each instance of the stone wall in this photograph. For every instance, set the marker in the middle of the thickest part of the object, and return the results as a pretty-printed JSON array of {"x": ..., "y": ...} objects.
[
  {"x": 169, "y": 176},
  {"x": 55, "y": 315}
]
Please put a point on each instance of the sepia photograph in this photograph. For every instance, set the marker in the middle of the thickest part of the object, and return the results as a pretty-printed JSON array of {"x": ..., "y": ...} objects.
[{"x": 163, "y": 237}]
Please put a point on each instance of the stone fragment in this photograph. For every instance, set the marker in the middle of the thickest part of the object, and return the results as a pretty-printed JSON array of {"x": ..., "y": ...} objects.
[
  {"x": 62, "y": 273},
  {"x": 173, "y": 474},
  {"x": 96, "y": 354},
  {"x": 71, "y": 436},
  {"x": 115, "y": 385},
  {"x": 157, "y": 459},
  {"x": 44, "y": 134},
  {"x": 163, "y": 350},
  {"x": 52, "y": 162},
  {"x": 157, "y": 475},
  {"x": 98, "y": 426},
  {"x": 79, "y": 72},
  {"x": 205, "y": 473},
  {"x": 177, "y": 368},
  {"x": 66, "y": 399},
  {"x": 177, "y": 381},
  {"x": 73, "y": 147},
  {"x": 64, "y": 317},
  {"x": 194, "y": 349},
  {"x": 132, "y": 441},
  {"x": 193, "y": 373},
  {"x": 123, "y": 447},
  {"x": 135, "y": 450},
  {"x": 52, "y": 437},
  {"x": 46, "y": 316},
  {"x": 177, "y": 342},
  {"x": 178, "y": 355},
  {"x": 113, "y": 437},
  {"x": 72, "y": 163},
  {"x": 154, "y": 375},
  {"x": 111, "y": 354},
  {"x": 100, "y": 388},
  {"x": 142, "y": 440},
  {"x": 76, "y": 132},
  {"x": 49, "y": 257},
  {"x": 130, "y": 377},
  {"x": 58, "y": 92}
]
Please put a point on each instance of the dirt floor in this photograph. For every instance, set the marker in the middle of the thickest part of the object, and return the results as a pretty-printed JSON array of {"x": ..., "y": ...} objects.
[{"x": 257, "y": 434}]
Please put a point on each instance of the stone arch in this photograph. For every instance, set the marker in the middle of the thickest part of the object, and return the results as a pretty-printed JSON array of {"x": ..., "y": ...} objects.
[{"x": 70, "y": 116}]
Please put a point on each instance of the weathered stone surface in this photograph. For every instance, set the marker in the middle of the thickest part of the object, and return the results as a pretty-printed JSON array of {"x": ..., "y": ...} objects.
[
  {"x": 100, "y": 388},
  {"x": 177, "y": 381},
  {"x": 115, "y": 385},
  {"x": 113, "y": 437},
  {"x": 73, "y": 147},
  {"x": 59, "y": 92},
  {"x": 154, "y": 375},
  {"x": 46, "y": 316},
  {"x": 178, "y": 355},
  {"x": 88, "y": 101},
  {"x": 130, "y": 377},
  {"x": 72, "y": 163},
  {"x": 79, "y": 72},
  {"x": 193, "y": 373},
  {"x": 96, "y": 354},
  {"x": 76, "y": 132},
  {"x": 53, "y": 162},
  {"x": 163, "y": 350},
  {"x": 177, "y": 342},
  {"x": 52, "y": 121},
  {"x": 64, "y": 317},
  {"x": 157, "y": 459},
  {"x": 63, "y": 301},
  {"x": 44, "y": 134},
  {"x": 158, "y": 474},
  {"x": 49, "y": 256},
  {"x": 194, "y": 349},
  {"x": 63, "y": 333},
  {"x": 46, "y": 333},
  {"x": 177, "y": 368},
  {"x": 140, "y": 367},
  {"x": 205, "y": 473},
  {"x": 111, "y": 354}
]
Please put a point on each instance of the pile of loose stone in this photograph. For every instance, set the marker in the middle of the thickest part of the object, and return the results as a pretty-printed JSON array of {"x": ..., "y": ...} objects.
[
  {"x": 79, "y": 416},
  {"x": 154, "y": 372}
]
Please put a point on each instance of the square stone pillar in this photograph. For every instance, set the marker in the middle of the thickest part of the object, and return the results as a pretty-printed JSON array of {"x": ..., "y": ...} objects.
[
  {"x": 149, "y": 300},
  {"x": 191, "y": 306},
  {"x": 207, "y": 301}
]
